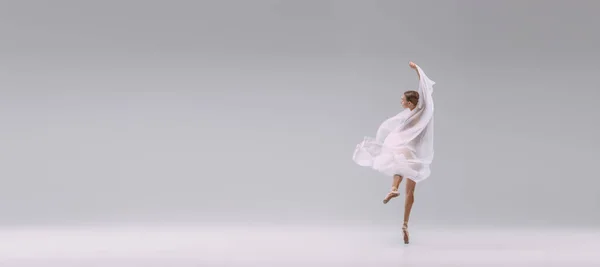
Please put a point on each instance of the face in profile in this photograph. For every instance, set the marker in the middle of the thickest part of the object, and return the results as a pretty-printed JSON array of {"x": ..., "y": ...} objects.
[{"x": 410, "y": 99}]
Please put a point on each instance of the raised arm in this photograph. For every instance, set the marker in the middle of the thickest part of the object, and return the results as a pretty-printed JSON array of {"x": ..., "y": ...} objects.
[
  {"x": 414, "y": 66},
  {"x": 425, "y": 86}
]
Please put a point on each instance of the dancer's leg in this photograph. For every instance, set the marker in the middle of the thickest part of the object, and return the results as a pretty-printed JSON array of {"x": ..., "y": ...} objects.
[
  {"x": 394, "y": 192},
  {"x": 410, "y": 199}
]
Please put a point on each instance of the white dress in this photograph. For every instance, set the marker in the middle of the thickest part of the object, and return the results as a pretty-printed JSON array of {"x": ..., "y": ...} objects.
[{"x": 404, "y": 143}]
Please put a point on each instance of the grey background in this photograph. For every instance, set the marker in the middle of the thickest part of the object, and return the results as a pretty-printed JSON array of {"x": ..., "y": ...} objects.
[{"x": 248, "y": 111}]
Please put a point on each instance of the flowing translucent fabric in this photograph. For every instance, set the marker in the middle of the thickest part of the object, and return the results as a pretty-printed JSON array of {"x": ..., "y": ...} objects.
[{"x": 403, "y": 144}]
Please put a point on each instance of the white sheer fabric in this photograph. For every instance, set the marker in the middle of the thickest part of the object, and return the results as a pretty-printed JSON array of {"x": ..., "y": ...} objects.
[{"x": 403, "y": 144}]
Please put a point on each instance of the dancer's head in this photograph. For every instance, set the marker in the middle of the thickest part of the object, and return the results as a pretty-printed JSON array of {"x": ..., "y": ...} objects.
[{"x": 410, "y": 99}]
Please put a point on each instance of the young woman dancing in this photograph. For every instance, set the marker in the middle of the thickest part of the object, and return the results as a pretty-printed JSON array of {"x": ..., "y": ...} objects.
[{"x": 403, "y": 146}]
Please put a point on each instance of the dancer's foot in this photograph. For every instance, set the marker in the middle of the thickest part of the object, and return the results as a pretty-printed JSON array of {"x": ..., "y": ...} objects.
[
  {"x": 390, "y": 195},
  {"x": 405, "y": 232}
]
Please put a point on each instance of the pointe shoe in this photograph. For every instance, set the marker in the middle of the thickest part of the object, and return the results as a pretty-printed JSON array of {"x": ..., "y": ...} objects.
[
  {"x": 390, "y": 195},
  {"x": 405, "y": 233}
]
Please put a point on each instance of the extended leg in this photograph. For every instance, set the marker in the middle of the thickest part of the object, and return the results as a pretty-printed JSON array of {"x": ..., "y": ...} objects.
[
  {"x": 410, "y": 199},
  {"x": 394, "y": 192}
]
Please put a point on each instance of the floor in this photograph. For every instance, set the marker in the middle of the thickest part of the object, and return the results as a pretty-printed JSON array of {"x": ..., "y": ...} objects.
[{"x": 185, "y": 245}]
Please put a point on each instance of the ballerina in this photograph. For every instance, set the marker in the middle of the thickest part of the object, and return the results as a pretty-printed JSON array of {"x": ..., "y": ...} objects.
[{"x": 403, "y": 145}]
